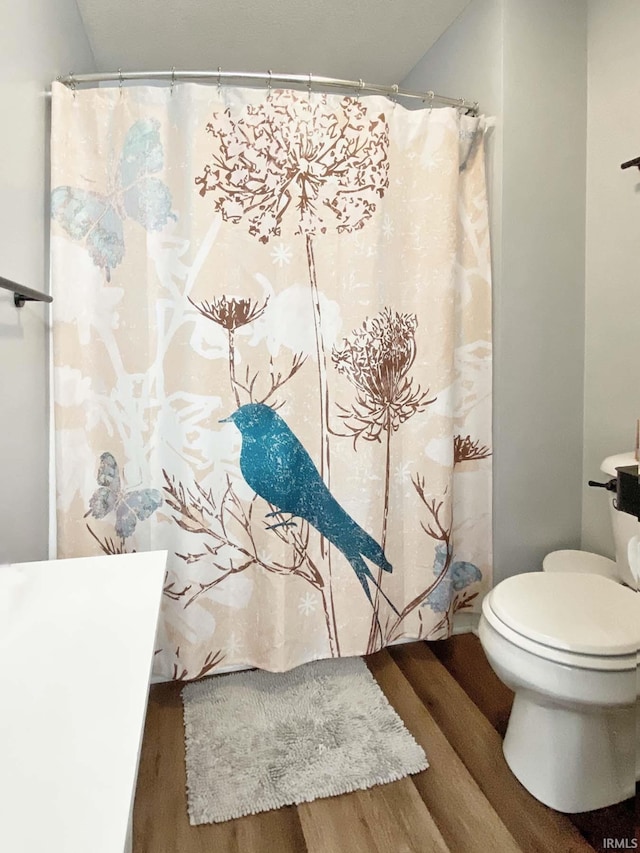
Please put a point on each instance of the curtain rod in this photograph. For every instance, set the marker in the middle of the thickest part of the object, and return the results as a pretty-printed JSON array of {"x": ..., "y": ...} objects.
[{"x": 309, "y": 80}]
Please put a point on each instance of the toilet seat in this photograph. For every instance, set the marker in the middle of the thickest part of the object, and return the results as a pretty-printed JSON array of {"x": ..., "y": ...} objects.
[{"x": 593, "y": 624}]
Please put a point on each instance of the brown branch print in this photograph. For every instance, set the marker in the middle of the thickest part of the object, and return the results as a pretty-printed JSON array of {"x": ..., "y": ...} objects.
[
  {"x": 229, "y": 526},
  {"x": 440, "y": 530},
  {"x": 172, "y": 591},
  {"x": 448, "y": 592},
  {"x": 467, "y": 450},
  {"x": 460, "y": 601},
  {"x": 276, "y": 381},
  {"x": 111, "y": 546},
  {"x": 180, "y": 672},
  {"x": 320, "y": 165},
  {"x": 376, "y": 360}
]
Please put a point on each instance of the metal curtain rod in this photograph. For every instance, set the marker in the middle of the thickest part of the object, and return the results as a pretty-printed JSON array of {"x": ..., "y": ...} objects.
[
  {"x": 308, "y": 80},
  {"x": 22, "y": 294}
]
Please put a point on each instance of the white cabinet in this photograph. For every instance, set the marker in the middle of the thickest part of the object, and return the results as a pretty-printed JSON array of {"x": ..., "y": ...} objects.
[{"x": 76, "y": 650}]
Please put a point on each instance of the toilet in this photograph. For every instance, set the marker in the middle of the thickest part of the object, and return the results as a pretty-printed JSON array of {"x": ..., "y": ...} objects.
[{"x": 567, "y": 642}]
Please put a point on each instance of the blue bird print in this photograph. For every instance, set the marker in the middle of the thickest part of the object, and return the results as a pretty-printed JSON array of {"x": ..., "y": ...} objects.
[{"x": 278, "y": 468}]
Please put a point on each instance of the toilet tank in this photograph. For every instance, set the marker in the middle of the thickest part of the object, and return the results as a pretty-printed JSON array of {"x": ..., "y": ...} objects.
[{"x": 625, "y": 526}]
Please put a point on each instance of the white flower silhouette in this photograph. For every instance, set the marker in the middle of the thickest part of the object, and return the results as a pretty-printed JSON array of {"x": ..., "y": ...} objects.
[
  {"x": 308, "y": 604},
  {"x": 282, "y": 255}
]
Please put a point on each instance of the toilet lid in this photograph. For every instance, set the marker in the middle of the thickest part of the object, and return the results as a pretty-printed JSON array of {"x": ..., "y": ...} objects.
[
  {"x": 584, "y": 614},
  {"x": 580, "y": 561}
]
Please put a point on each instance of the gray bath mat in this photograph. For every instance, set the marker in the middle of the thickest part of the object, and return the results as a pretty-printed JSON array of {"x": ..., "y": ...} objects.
[{"x": 256, "y": 741}]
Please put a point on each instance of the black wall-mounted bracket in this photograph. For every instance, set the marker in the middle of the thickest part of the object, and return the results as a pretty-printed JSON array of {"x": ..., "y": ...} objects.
[
  {"x": 22, "y": 294},
  {"x": 630, "y": 163},
  {"x": 626, "y": 485}
]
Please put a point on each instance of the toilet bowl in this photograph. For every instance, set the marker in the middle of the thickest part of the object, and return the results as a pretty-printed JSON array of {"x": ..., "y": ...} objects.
[{"x": 568, "y": 647}]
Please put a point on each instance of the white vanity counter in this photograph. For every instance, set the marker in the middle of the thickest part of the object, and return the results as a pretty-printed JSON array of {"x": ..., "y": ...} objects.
[{"x": 76, "y": 650}]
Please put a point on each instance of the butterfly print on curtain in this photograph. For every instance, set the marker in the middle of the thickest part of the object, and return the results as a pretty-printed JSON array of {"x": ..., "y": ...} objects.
[{"x": 97, "y": 218}]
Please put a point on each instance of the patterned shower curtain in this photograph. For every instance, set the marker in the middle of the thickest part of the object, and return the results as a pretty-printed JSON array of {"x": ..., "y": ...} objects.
[{"x": 272, "y": 358}]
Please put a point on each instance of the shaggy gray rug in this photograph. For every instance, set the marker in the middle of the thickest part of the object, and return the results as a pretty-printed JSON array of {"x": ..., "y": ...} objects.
[{"x": 256, "y": 741}]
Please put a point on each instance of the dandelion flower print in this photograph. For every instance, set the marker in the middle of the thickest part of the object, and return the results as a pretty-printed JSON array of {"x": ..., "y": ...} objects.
[
  {"x": 377, "y": 359},
  {"x": 231, "y": 314}
]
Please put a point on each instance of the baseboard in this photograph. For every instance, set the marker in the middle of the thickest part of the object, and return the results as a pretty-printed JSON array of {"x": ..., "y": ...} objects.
[{"x": 466, "y": 623}]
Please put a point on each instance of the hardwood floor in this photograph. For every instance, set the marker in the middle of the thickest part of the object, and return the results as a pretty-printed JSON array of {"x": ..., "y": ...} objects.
[{"x": 466, "y": 802}]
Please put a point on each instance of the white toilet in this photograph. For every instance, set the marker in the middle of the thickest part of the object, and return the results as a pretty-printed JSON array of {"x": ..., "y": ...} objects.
[{"x": 567, "y": 642}]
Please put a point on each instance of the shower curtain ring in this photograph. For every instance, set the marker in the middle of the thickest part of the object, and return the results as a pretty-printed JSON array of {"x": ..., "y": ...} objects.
[
  {"x": 120, "y": 79},
  {"x": 72, "y": 84},
  {"x": 173, "y": 78},
  {"x": 269, "y": 82},
  {"x": 431, "y": 95},
  {"x": 309, "y": 85},
  {"x": 360, "y": 87},
  {"x": 219, "y": 80}
]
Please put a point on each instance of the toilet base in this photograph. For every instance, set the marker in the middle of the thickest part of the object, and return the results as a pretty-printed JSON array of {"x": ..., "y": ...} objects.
[{"x": 572, "y": 761}]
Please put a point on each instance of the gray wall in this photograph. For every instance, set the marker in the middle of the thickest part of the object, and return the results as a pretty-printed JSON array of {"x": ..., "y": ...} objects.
[
  {"x": 38, "y": 40},
  {"x": 526, "y": 63},
  {"x": 612, "y": 383}
]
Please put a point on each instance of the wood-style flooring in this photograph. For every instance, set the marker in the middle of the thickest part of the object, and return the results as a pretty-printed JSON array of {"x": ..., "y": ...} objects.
[{"x": 466, "y": 802}]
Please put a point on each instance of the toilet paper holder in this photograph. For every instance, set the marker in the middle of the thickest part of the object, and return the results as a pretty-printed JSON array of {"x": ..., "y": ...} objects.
[
  {"x": 628, "y": 490},
  {"x": 626, "y": 485}
]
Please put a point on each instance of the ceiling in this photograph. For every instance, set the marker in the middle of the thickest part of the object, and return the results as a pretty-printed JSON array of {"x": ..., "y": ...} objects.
[{"x": 378, "y": 41}]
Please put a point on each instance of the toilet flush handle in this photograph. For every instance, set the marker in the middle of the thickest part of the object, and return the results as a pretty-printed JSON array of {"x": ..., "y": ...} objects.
[{"x": 610, "y": 485}]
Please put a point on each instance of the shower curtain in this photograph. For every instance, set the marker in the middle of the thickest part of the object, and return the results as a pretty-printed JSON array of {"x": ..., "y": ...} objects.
[{"x": 272, "y": 358}]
